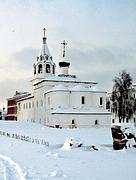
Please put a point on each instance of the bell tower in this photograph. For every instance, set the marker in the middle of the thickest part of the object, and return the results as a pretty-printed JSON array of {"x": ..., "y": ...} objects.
[{"x": 44, "y": 65}]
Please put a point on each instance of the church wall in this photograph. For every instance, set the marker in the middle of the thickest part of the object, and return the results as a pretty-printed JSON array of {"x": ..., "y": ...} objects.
[
  {"x": 39, "y": 109},
  {"x": 80, "y": 120},
  {"x": 26, "y": 110},
  {"x": 57, "y": 100},
  {"x": 96, "y": 99},
  {"x": 76, "y": 99},
  {"x": 68, "y": 99}
]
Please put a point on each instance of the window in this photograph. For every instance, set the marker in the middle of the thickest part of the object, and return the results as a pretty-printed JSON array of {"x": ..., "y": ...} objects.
[
  {"x": 113, "y": 121},
  {"x": 34, "y": 69},
  {"x": 134, "y": 96},
  {"x": 40, "y": 68},
  {"x": 29, "y": 104},
  {"x": 96, "y": 122},
  {"x": 101, "y": 100},
  {"x": 19, "y": 106},
  {"x": 41, "y": 57},
  {"x": 73, "y": 121},
  {"x": 53, "y": 69},
  {"x": 24, "y": 105},
  {"x": 47, "y": 68},
  {"x": 83, "y": 99},
  {"x": 134, "y": 120}
]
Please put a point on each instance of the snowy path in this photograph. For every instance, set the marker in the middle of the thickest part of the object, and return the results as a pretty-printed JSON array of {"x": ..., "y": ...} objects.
[{"x": 10, "y": 170}]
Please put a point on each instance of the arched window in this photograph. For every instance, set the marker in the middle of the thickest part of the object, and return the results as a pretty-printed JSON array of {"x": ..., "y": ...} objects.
[
  {"x": 48, "y": 68},
  {"x": 83, "y": 100},
  {"x": 40, "y": 68},
  {"x": 34, "y": 69},
  {"x": 41, "y": 57},
  {"x": 101, "y": 101},
  {"x": 46, "y": 57},
  {"x": 53, "y": 69},
  {"x": 96, "y": 122},
  {"x": 73, "y": 121}
]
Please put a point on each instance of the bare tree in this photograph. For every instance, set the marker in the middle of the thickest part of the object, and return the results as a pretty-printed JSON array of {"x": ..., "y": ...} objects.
[{"x": 122, "y": 96}]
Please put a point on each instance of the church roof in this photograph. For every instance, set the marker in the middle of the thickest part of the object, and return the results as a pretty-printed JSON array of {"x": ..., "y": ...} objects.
[
  {"x": 44, "y": 50},
  {"x": 77, "y": 88},
  {"x": 97, "y": 89},
  {"x": 65, "y": 79}
]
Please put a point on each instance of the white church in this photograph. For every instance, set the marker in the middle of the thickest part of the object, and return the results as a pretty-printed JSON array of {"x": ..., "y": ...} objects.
[{"x": 62, "y": 100}]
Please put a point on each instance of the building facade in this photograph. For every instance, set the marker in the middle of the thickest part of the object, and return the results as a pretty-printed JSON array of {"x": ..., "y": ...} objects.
[
  {"x": 12, "y": 105},
  {"x": 62, "y": 100}
]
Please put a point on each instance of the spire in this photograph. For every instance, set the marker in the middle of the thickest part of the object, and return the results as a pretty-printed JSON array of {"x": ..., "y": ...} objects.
[{"x": 44, "y": 51}]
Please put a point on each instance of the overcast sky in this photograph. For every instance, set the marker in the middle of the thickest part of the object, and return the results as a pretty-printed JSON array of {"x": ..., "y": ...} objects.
[{"x": 101, "y": 37}]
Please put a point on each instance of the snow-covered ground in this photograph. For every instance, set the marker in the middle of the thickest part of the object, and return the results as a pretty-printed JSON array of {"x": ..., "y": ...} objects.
[{"x": 22, "y": 160}]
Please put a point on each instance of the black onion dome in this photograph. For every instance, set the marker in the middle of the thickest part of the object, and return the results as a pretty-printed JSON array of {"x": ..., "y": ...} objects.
[{"x": 64, "y": 64}]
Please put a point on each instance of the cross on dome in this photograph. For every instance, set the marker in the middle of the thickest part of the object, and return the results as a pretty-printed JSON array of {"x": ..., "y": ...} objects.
[
  {"x": 44, "y": 31},
  {"x": 64, "y": 47}
]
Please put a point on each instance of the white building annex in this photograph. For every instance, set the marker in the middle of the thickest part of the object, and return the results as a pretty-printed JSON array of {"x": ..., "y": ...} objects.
[{"x": 62, "y": 100}]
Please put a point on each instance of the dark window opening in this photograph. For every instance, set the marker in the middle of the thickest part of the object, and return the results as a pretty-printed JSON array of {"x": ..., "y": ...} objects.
[
  {"x": 53, "y": 69},
  {"x": 40, "y": 68},
  {"x": 73, "y": 121},
  {"x": 47, "y": 68},
  {"x": 83, "y": 100},
  {"x": 134, "y": 120},
  {"x": 113, "y": 120},
  {"x": 41, "y": 58},
  {"x": 101, "y": 101},
  {"x": 34, "y": 69},
  {"x": 96, "y": 122}
]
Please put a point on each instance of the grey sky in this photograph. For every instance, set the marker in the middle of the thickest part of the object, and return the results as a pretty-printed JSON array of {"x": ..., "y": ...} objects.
[{"x": 101, "y": 36}]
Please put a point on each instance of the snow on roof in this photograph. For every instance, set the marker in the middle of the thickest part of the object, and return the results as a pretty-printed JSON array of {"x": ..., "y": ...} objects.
[
  {"x": 97, "y": 89},
  {"x": 65, "y": 79},
  {"x": 44, "y": 50},
  {"x": 59, "y": 87},
  {"x": 26, "y": 97},
  {"x": 77, "y": 88}
]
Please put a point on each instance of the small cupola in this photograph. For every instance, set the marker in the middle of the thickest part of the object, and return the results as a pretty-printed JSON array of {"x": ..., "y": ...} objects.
[{"x": 63, "y": 64}]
